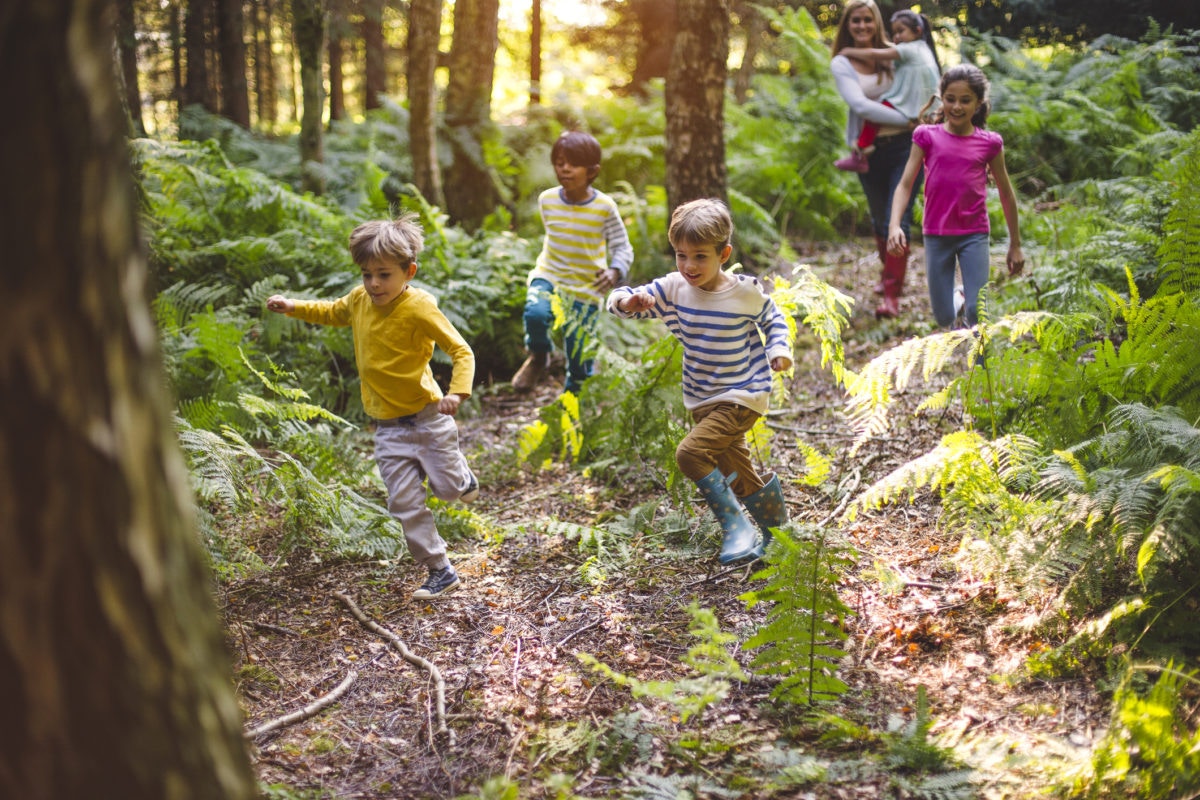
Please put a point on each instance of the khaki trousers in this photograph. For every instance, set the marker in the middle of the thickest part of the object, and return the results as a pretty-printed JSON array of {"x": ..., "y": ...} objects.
[{"x": 718, "y": 441}]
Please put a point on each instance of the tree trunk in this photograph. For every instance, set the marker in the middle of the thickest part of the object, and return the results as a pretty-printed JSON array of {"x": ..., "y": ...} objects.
[
  {"x": 535, "y": 53},
  {"x": 424, "y": 34},
  {"x": 656, "y": 23},
  {"x": 269, "y": 89},
  {"x": 235, "y": 100},
  {"x": 198, "y": 88},
  {"x": 176, "y": 36},
  {"x": 114, "y": 679},
  {"x": 755, "y": 26},
  {"x": 375, "y": 76},
  {"x": 695, "y": 103},
  {"x": 127, "y": 55},
  {"x": 337, "y": 31},
  {"x": 308, "y": 25},
  {"x": 471, "y": 190}
]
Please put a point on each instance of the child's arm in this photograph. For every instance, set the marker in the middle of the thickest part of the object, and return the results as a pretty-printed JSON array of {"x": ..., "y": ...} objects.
[
  {"x": 871, "y": 54},
  {"x": 1008, "y": 202},
  {"x": 280, "y": 304},
  {"x": 462, "y": 373},
  {"x": 896, "y": 242}
]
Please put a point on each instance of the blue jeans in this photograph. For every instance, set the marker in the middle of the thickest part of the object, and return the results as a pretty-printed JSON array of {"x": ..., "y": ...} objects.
[
  {"x": 579, "y": 330},
  {"x": 880, "y": 182},
  {"x": 942, "y": 253}
]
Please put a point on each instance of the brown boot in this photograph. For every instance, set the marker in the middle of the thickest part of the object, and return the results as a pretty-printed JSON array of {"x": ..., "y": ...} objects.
[{"x": 530, "y": 372}]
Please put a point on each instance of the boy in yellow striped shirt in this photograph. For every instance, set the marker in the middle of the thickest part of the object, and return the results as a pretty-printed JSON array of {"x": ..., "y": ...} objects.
[{"x": 585, "y": 254}]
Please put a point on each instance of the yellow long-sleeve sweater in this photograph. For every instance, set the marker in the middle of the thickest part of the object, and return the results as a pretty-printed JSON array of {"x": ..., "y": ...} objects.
[{"x": 392, "y": 347}]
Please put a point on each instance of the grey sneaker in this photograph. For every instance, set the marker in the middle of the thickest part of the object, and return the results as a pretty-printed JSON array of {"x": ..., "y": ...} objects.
[
  {"x": 439, "y": 583},
  {"x": 471, "y": 493}
]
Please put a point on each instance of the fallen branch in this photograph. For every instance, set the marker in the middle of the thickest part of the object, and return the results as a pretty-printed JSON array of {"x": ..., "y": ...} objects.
[
  {"x": 310, "y": 710},
  {"x": 439, "y": 685}
]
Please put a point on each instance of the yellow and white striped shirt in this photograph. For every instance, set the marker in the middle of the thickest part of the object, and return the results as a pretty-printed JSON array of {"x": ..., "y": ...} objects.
[{"x": 581, "y": 240}]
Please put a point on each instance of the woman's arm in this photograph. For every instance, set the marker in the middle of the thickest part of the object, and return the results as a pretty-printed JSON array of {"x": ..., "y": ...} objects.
[
  {"x": 1008, "y": 202},
  {"x": 846, "y": 80},
  {"x": 896, "y": 241}
]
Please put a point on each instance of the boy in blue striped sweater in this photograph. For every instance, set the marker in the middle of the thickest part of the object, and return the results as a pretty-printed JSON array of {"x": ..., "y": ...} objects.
[{"x": 733, "y": 336}]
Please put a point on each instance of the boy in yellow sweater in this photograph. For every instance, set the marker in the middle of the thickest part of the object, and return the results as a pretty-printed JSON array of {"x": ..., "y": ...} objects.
[{"x": 395, "y": 327}]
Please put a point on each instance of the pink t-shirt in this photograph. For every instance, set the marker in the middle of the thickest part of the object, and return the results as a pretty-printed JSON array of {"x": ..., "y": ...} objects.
[{"x": 956, "y": 179}]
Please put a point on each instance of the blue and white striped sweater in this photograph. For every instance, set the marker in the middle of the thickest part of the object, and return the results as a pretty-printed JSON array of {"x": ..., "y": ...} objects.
[{"x": 725, "y": 358}]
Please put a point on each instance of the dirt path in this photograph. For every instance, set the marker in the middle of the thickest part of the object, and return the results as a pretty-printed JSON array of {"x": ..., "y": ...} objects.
[{"x": 520, "y": 704}]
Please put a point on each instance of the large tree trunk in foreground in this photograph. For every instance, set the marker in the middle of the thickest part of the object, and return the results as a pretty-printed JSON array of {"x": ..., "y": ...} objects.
[
  {"x": 114, "y": 680},
  {"x": 695, "y": 103}
]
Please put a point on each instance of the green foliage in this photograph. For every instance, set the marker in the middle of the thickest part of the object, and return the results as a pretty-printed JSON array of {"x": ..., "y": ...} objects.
[
  {"x": 800, "y": 637},
  {"x": 1152, "y": 746},
  {"x": 709, "y": 660},
  {"x": 908, "y": 744}
]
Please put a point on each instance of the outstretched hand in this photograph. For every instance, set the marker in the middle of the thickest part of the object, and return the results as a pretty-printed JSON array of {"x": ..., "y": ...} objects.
[
  {"x": 638, "y": 301},
  {"x": 280, "y": 304}
]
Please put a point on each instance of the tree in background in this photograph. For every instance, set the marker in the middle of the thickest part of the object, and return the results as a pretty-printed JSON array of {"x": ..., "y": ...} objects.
[
  {"x": 126, "y": 39},
  {"x": 198, "y": 87},
  {"x": 695, "y": 103},
  {"x": 231, "y": 37},
  {"x": 424, "y": 35},
  {"x": 375, "y": 55},
  {"x": 339, "y": 29},
  {"x": 471, "y": 192},
  {"x": 114, "y": 680},
  {"x": 308, "y": 23}
]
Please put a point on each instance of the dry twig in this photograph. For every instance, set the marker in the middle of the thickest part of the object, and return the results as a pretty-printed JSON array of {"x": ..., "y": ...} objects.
[
  {"x": 398, "y": 644},
  {"x": 309, "y": 710}
]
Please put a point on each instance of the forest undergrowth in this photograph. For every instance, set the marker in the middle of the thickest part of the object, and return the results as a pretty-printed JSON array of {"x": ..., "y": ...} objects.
[{"x": 936, "y": 704}]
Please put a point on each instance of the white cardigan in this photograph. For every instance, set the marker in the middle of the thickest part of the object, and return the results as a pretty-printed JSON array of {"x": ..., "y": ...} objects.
[{"x": 861, "y": 106}]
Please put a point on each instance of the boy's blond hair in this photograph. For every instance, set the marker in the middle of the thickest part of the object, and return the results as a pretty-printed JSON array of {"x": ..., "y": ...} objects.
[
  {"x": 398, "y": 240},
  {"x": 701, "y": 222}
]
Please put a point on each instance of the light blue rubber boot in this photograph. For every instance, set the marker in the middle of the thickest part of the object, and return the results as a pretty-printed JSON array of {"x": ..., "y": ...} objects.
[
  {"x": 740, "y": 538},
  {"x": 767, "y": 508}
]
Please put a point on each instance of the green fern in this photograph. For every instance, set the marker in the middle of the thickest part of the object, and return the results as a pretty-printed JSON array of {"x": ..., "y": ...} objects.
[{"x": 803, "y": 628}]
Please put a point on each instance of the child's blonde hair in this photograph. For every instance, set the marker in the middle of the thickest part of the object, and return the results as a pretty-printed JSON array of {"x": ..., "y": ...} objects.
[
  {"x": 398, "y": 240},
  {"x": 701, "y": 222}
]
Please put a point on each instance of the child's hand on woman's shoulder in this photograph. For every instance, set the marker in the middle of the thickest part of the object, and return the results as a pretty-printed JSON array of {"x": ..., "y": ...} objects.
[{"x": 280, "y": 304}]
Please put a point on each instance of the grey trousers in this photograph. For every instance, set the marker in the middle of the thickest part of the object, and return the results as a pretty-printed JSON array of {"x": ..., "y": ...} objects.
[{"x": 409, "y": 451}]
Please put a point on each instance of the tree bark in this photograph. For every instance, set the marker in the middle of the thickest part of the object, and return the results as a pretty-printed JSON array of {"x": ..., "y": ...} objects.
[
  {"x": 126, "y": 32},
  {"x": 231, "y": 33},
  {"x": 337, "y": 33},
  {"x": 754, "y": 24},
  {"x": 535, "y": 53},
  {"x": 656, "y": 23},
  {"x": 424, "y": 35},
  {"x": 114, "y": 679},
  {"x": 269, "y": 89},
  {"x": 309, "y": 29},
  {"x": 375, "y": 59},
  {"x": 471, "y": 190},
  {"x": 695, "y": 103},
  {"x": 198, "y": 87}
]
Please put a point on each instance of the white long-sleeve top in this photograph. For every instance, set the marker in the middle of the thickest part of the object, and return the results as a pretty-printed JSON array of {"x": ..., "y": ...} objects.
[
  {"x": 729, "y": 337},
  {"x": 862, "y": 106}
]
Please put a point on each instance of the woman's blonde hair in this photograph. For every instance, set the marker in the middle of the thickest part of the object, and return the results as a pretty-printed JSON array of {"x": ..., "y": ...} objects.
[{"x": 842, "y": 38}]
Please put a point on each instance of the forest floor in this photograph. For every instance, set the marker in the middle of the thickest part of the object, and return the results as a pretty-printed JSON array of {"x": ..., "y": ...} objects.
[{"x": 519, "y": 704}]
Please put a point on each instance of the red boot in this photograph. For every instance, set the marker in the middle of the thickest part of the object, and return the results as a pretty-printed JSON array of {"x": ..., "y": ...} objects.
[
  {"x": 894, "y": 268},
  {"x": 881, "y": 247}
]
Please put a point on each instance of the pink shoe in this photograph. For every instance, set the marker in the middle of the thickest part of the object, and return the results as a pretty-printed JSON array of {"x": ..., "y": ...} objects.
[{"x": 855, "y": 162}]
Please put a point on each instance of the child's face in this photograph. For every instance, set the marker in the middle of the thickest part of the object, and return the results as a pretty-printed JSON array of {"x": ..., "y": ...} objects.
[
  {"x": 575, "y": 180},
  {"x": 385, "y": 280},
  {"x": 903, "y": 33},
  {"x": 700, "y": 264},
  {"x": 959, "y": 103}
]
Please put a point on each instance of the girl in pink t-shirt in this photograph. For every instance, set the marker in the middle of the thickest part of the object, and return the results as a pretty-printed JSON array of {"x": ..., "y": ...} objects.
[{"x": 957, "y": 154}]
